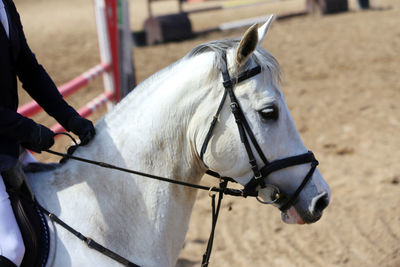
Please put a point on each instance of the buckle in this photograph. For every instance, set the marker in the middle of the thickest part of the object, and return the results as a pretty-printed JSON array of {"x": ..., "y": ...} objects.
[
  {"x": 274, "y": 196},
  {"x": 228, "y": 84},
  {"x": 210, "y": 192},
  {"x": 234, "y": 106}
]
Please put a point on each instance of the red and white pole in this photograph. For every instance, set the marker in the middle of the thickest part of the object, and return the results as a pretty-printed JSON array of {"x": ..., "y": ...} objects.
[
  {"x": 68, "y": 88},
  {"x": 107, "y": 32},
  {"x": 112, "y": 29}
]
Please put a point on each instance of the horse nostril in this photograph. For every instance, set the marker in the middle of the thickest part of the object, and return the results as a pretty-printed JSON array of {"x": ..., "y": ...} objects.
[{"x": 320, "y": 203}]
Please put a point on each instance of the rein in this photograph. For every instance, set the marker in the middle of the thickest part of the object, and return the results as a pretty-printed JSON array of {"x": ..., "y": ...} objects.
[{"x": 226, "y": 191}]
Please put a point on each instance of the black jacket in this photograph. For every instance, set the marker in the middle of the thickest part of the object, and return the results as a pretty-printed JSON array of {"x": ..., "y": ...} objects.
[{"x": 16, "y": 59}]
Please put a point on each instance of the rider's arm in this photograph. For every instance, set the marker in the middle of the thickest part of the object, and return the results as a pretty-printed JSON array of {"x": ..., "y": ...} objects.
[
  {"x": 41, "y": 87},
  {"x": 35, "y": 79},
  {"x": 24, "y": 131},
  {"x": 14, "y": 126}
]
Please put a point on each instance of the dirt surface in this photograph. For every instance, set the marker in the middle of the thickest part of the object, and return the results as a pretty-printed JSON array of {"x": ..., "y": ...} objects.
[{"x": 342, "y": 84}]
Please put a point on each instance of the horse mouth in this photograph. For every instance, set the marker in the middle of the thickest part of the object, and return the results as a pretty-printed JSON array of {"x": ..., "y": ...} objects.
[
  {"x": 291, "y": 216},
  {"x": 307, "y": 215}
]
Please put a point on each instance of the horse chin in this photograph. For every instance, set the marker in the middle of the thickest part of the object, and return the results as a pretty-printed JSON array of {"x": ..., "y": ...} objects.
[{"x": 291, "y": 216}]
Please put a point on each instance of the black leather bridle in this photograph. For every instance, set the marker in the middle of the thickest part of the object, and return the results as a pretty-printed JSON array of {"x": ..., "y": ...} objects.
[{"x": 284, "y": 201}]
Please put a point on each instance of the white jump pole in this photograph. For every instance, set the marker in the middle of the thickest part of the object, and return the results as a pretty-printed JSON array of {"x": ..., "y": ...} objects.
[{"x": 104, "y": 46}]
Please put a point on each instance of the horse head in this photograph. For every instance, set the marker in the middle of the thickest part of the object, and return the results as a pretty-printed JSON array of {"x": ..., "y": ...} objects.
[{"x": 281, "y": 171}]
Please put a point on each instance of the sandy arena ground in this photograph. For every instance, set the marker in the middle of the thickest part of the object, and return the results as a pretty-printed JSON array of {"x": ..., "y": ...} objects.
[{"x": 342, "y": 84}]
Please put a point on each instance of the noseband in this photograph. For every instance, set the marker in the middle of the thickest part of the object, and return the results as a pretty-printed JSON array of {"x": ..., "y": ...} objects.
[{"x": 260, "y": 175}]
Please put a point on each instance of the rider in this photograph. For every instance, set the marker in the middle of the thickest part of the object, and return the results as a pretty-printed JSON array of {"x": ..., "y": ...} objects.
[{"x": 16, "y": 59}]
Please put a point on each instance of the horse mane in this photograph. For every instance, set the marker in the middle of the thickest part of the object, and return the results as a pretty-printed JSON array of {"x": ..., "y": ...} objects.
[{"x": 263, "y": 58}]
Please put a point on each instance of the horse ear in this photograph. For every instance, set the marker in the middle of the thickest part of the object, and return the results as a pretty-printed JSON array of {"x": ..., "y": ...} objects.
[
  {"x": 252, "y": 37},
  {"x": 262, "y": 31},
  {"x": 247, "y": 45}
]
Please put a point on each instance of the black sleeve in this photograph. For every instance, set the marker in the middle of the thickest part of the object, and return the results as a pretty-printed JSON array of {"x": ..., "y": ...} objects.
[
  {"x": 38, "y": 83},
  {"x": 15, "y": 126}
]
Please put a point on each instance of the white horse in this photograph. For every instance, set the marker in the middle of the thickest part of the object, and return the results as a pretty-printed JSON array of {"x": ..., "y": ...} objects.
[{"x": 159, "y": 129}]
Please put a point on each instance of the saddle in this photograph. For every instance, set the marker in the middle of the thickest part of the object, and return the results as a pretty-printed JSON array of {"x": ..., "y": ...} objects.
[{"x": 31, "y": 220}]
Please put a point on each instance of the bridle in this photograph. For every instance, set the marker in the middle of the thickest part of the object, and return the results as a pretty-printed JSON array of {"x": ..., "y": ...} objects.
[
  {"x": 284, "y": 201},
  {"x": 277, "y": 197}
]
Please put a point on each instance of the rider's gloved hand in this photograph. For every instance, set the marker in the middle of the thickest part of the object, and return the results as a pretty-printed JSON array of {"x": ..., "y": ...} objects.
[
  {"x": 82, "y": 128},
  {"x": 40, "y": 138}
]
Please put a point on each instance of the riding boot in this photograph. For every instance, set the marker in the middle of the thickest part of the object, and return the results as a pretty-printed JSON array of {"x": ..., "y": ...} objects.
[
  {"x": 14, "y": 177},
  {"x": 4, "y": 262},
  {"x": 14, "y": 180}
]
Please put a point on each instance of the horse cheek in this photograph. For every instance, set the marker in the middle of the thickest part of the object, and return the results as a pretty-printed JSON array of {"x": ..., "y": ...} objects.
[{"x": 224, "y": 152}]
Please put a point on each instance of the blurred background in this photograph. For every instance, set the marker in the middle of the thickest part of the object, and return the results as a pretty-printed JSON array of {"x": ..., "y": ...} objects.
[{"x": 341, "y": 80}]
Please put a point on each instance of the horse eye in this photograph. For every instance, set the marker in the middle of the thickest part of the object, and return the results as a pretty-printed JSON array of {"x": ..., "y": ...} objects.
[{"x": 269, "y": 113}]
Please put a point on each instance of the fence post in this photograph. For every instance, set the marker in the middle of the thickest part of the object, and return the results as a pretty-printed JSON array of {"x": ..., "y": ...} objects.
[
  {"x": 127, "y": 72},
  {"x": 104, "y": 45},
  {"x": 112, "y": 30}
]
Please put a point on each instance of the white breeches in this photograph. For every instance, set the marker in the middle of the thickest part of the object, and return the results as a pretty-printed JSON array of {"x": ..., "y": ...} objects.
[{"x": 11, "y": 242}]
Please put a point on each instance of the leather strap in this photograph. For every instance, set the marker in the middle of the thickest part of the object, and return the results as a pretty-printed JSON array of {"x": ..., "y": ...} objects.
[
  {"x": 239, "y": 116},
  {"x": 212, "y": 126},
  {"x": 286, "y": 200},
  {"x": 296, "y": 194},
  {"x": 215, "y": 212},
  {"x": 229, "y": 83},
  {"x": 288, "y": 162},
  {"x": 89, "y": 242}
]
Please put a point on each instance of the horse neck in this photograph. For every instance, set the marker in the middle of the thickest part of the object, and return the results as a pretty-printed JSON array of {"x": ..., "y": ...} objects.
[
  {"x": 147, "y": 132},
  {"x": 152, "y": 125}
]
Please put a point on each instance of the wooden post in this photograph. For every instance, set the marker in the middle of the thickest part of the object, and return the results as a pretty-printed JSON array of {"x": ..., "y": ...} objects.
[{"x": 327, "y": 6}]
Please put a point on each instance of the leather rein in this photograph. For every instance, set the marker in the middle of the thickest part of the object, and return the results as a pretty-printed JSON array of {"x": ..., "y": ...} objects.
[{"x": 279, "y": 198}]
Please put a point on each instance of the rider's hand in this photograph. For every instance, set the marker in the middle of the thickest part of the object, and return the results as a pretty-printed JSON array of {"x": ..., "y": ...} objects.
[
  {"x": 40, "y": 138},
  {"x": 82, "y": 128}
]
